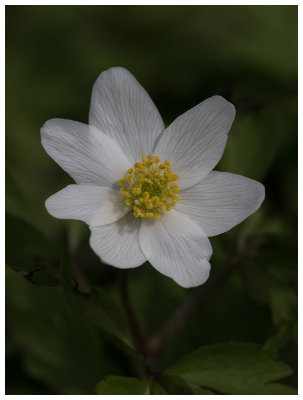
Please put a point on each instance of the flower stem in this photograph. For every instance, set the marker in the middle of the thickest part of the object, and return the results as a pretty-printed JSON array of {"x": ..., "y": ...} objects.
[
  {"x": 183, "y": 314},
  {"x": 147, "y": 372},
  {"x": 151, "y": 349},
  {"x": 134, "y": 326}
]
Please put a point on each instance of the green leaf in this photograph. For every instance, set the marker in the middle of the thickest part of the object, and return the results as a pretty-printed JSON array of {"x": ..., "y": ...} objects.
[
  {"x": 57, "y": 345},
  {"x": 281, "y": 338},
  {"x": 122, "y": 385},
  {"x": 156, "y": 389},
  {"x": 101, "y": 309},
  {"x": 283, "y": 303},
  {"x": 175, "y": 385},
  {"x": 200, "y": 390},
  {"x": 233, "y": 368},
  {"x": 30, "y": 253}
]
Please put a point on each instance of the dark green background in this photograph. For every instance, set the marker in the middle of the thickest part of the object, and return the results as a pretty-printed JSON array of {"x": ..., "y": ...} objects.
[{"x": 181, "y": 55}]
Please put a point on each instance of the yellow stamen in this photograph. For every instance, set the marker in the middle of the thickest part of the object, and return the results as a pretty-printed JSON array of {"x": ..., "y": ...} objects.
[{"x": 149, "y": 187}]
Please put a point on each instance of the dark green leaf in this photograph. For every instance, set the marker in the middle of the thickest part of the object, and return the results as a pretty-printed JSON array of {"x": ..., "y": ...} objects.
[
  {"x": 58, "y": 346},
  {"x": 283, "y": 304},
  {"x": 100, "y": 308},
  {"x": 233, "y": 368},
  {"x": 122, "y": 385},
  {"x": 30, "y": 253},
  {"x": 103, "y": 311},
  {"x": 175, "y": 385},
  {"x": 43, "y": 277},
  {"x": 156, "y": 389},
  {"x": 280, "y": 339},
  {"x": 200, "y": 390}
]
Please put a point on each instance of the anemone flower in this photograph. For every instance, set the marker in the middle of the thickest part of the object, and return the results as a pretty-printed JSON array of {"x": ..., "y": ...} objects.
[{"x": 146, "y": 192}]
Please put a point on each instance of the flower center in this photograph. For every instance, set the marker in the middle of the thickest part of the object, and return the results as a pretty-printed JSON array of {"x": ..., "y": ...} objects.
[{"x": 149, "y": 187}]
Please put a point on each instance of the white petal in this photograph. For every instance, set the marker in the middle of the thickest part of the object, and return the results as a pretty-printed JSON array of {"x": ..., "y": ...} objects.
[
  {"x": 95, "y": 205},
  {"x": 117, "y": 244},
  {"x": 195, "y": 141},
  {"x": 221, "y": 201},
  {"x": 122, "y": 109},
  {"x": 177, "y": 247},
  {"x": 85, "y": 153}
]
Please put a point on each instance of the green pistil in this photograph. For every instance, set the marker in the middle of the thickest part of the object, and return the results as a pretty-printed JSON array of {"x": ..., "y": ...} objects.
[{"x": 153, "y": 190}]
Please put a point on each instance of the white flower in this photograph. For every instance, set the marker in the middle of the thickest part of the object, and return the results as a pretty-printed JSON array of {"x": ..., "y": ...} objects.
[{"x": 135, "y": 209}]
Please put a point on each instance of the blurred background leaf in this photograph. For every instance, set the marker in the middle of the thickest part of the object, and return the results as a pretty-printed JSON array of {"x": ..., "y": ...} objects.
[
  {"x": 102, "y": 310},
  {"x": 122, "y": 386},
  {"x": 30, "y": 253},
  {"x": 181, "y": 55},
  {"x": 176, "y": 385},
  {"x": 233, "y": 368},
  {"x": 50, "y": 348}
]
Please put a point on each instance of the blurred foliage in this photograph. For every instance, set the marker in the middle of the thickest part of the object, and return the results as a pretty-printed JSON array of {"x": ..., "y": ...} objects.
[
  {"x": 181, "y": 55},
  {"x": 234, "y": 368},
  {"x": 122, "y": 385},
  {"x": 36, "y": 258}
]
